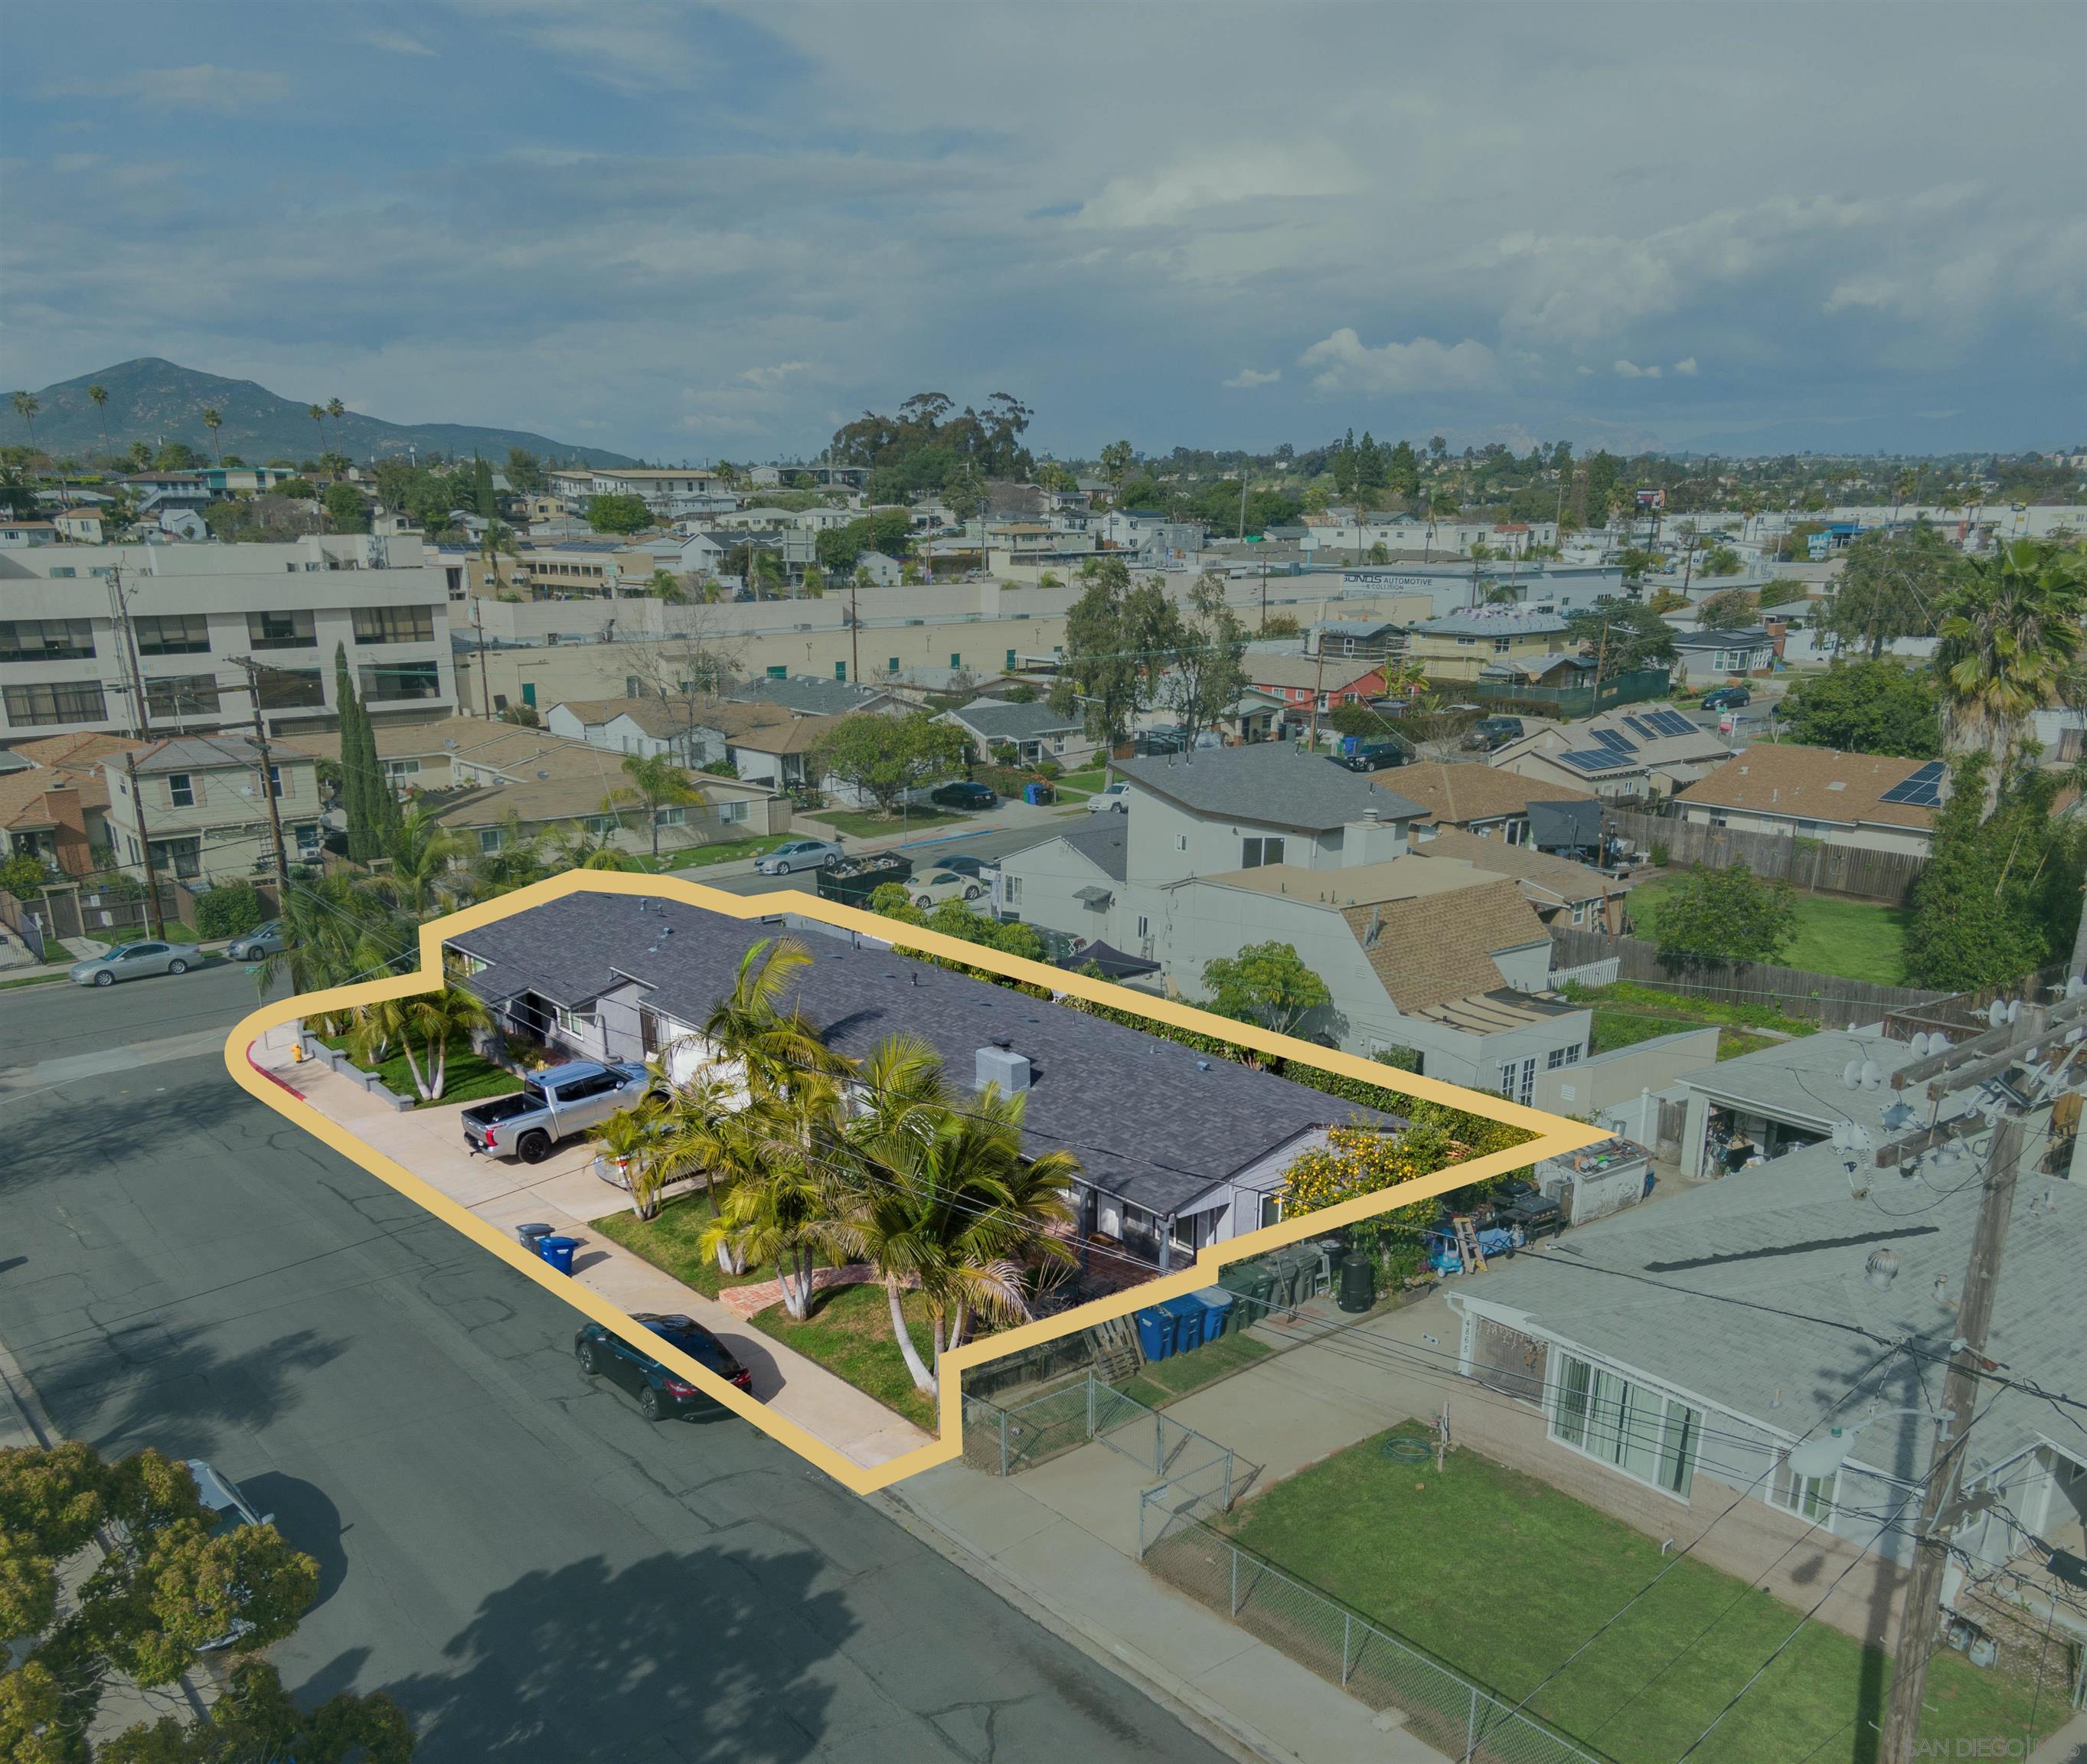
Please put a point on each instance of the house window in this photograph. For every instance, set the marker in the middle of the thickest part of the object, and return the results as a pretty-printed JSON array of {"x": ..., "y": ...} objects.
[
  {"x": 1256, "y": 852},
  {"x": 1501, "y": 645},
  {"x": 399, "y": 681},
  {"x": 490, "y": 840},
  {"x": 1518, "y": 1083},
  {"x": 1554, "y": 1059},
  {"x": 601, "y": 825},
  {"x": 181, "y": 790},
  {"x": 1465, "y": 643},
  {"x": 1271, "y": 1210},
  {"x": 280, "y": 630},
  {"x": 892, "y": 665},
  {"x": 182, "y": 858},
  {"x": 1180, "y": 842},
  {"x": 173, "y": 633},
  {"x": 46, "y": 640},
  {"x": 956, "y": 660},
  {"x": 397, "y": 771},
  {"x": 182, "y": 695},
  {"x": 291, "y": 688},
  {"x": 1642, "y": 1434},
  {"x": 1144, "y": 926},
  {"x": 395, "y": 625},
  {"x": 733, "y": 812},
  {"x": 1012, "y": 889},
  {"x": 74, "y": 701},
  {"x": 1579, "y": 912},
  {"x": 1809, "y": 1497}
]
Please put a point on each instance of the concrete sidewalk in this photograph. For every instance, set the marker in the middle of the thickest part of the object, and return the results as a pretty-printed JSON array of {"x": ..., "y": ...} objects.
[{"x": 564, "y": 1193}]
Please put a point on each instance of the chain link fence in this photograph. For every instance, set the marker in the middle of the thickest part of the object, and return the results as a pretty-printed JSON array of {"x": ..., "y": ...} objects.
[
  {"x": 1441, "y": 1706},
  {"x": 1005, "y": 1441}
]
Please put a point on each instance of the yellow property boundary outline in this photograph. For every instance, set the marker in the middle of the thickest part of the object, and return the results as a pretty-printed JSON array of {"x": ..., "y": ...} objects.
[{"x": 1554, "y": 1135}]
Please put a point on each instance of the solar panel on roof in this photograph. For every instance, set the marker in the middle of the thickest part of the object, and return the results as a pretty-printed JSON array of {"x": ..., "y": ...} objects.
[
  {"x": 1922, "y": 790},
  {"x": 1611, "y": 738},
  {"x": 1642, "y": 726},
  {"x": 1592, "y": 759},
  {"x": 1675, "y": 723}
]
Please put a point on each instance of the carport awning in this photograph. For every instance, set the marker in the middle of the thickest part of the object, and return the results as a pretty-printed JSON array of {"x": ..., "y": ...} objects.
[{"x": 1114, "y": 964}]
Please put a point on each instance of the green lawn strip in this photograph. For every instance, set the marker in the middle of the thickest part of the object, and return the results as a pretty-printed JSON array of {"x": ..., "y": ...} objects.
[
  {"x": 726, "y": 851},
  {"x": 32, "y": 980},
  {"x": 849, "y": 1332},
  {"x": 1626, "y": 1012},
  {"x": 1862, "y": 940},
  {"x": 1502, "y": 1577},
  {"x": 175, "y": 933},
  {"x": 865, "y": 824},
  {"x": 1160, "y": 1382},
  {"x": 466, "y": 1077}
]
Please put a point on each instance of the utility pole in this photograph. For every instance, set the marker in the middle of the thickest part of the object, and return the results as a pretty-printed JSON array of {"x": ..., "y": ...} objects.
[
  {"x": 127, "y": 654},
  {"x": 145, "y": 841},
  {"x": 478, "y": 630},
  {"x": 1242, "y": 523},
  {"x": 1941, "y": 1498},
  {"x": 855, "y": 630},
  {"x": 1264, "y": 594},
  {"x": 253, "y": 670},
  {"x": 1318, "y": 681}
]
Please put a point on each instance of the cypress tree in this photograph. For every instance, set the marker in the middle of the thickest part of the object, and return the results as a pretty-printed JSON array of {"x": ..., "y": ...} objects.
[{"x": 354, "y": 798}]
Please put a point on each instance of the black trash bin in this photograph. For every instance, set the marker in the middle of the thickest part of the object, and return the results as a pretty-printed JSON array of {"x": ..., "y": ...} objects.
[
  {"x": 533, "y": 1237},
  {"x": 1358, "y": 1282}
]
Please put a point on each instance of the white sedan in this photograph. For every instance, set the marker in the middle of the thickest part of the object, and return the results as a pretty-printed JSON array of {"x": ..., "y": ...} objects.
[{"x": 938, "y": 886}]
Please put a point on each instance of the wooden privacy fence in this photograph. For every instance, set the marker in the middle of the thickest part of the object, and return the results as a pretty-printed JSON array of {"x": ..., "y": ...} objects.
[
  {"x": 1811, "y": 865},
  {"x": 1833, "y": 1002}
]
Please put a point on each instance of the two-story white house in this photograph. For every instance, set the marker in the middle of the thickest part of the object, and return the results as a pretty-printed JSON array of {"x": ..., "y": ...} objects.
[{"x": 202, "y": 806}]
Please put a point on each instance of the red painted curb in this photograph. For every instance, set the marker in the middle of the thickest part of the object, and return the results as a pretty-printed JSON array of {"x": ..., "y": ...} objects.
[{"x": 271, "y": 1077}]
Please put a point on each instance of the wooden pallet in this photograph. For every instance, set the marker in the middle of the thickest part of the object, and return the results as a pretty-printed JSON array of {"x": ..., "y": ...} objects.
[{"x": 1115, "y": 1350}]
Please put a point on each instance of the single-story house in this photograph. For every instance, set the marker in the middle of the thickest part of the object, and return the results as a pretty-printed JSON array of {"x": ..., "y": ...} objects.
[
  {"x": 1868, "y": 800},
  {"x": 1552, "y": 669},
  {"x": 813, "y": 695},
  {"x": 1484, "y": 799},
  {"x": 1641, "y": 752},
  {"x": 1707, "y": 657},
  {"x": 1034, "y": 731},
  {"x": 1299, "y": 682},
  {"x": 612, "y": 976},
  {"x": 1667, "y": 1369}
]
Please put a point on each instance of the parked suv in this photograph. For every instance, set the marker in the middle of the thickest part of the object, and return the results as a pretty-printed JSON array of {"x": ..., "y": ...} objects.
[
  {"x": 553, "y": 1104},
  {"x": 1489, "y": 732},
  {"x": 1112, "y": 798},
  {"x": 1727, "y": 699}
]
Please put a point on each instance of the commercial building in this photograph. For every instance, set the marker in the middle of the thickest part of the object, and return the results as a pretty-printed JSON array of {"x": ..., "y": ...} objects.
[{"x": 83, "y": 627}]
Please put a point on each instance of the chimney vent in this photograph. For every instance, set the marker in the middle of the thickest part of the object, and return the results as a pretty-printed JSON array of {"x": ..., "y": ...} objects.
[{"x": 1003, "y": 1066}]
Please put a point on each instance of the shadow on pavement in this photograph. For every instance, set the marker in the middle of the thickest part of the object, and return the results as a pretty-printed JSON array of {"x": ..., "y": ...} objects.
[
  {"x": 679, "y": 1657},
  {"x": 309, "y": 1520}
]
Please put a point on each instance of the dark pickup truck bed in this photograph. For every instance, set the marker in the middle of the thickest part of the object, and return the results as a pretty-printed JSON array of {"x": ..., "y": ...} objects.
[{"x": 851, "y": 881}]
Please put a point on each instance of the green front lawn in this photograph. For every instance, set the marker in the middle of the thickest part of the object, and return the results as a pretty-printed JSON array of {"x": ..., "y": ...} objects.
[
  {"x": 1856, "y": 939},
  {"x": 32, "y": 980},
  {"x": 725, "y": 851},
  {"x": 466, "y": 1077},
  {"x": 866, "y": 824},
  {"x": 1502, "y": 1577},
  {"x": 175, "y": 933},
  {"x": 849, "y": 1332}
]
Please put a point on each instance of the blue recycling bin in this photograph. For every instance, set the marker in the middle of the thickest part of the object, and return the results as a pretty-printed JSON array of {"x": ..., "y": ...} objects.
[
  {"x": 1155, "y": 1334},
  {"x": 1186, "y": 1315},
  {"x": 1039, "y": 796},
  {"x": 558, "y": 1251},
  {"x": 1217, "y": 1304}
]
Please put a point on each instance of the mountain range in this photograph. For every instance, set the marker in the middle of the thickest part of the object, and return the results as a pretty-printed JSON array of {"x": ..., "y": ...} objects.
[{"x": 154, "y": 401}]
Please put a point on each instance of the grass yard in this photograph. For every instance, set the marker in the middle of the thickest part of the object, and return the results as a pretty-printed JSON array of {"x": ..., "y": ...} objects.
[
  {"x": 175, "y": 933},
  {"x": 466, "y": 1077},
  {"x": 725, "y": 851},
  {"x": 849, "y": 1332},
  {"x": 1627, "y": 1013},
  {"x": 1856, "y": 939},
  {"x": 1078, "y": 786},
  {"x": 866, "y": 824},
  {"x": 1502, "y": 1577},
  {"x": 32, "y": 980},
  {"x": 1160, "y": 1383}
]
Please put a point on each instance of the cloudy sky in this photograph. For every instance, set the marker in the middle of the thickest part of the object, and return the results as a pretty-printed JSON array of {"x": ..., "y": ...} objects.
[{"x": 685, "y": 231}]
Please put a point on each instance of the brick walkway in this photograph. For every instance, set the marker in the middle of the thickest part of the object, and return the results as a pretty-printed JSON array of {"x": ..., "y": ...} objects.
[{"x": 745, "y": 1300}]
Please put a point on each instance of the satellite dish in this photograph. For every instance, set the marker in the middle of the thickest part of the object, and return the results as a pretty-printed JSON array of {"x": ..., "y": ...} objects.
[
  {"x": 1873, "y": 1074},
  {"x": 1851, "y": 1074},
  {"x": 1996, "y": 1013}
]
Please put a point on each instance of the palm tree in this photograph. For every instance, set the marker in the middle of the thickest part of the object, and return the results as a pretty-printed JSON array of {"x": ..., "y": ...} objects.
[
  {"x": 783, "y": 1209},
  {"x": 631, "y": 1138},
  {"x": 98, "y": 395},
  {"x": 575, "y": 847},
  {"x": 26, "y": 408},
  {"x": 214, "y": 422},
  {"x": 1439, "y": 502},
  {"x": 659, "y": 783},
  {"x": 423, "y": 854},
  {"x": 316, "y": 412},
  {"x": 336, "y": 410},
  {"x": 2010, "y": 644},
  {"x": 516, "y": 859},
  {"x": 436, "y": 1018},
  {"x": 338, "y": 932},
  {"x": 701, "y": 1133}
]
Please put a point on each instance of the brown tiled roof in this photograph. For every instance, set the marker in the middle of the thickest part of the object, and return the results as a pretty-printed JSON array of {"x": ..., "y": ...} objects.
[
  {"x": 1436, "y": 947},
  {"x": 797, "y": 735},
  {"x": 1458, "y": 794},
  {"x": 1813, "y": 784},
  {"x": 1554, "y": 878},
  {"x": 22, "y": 795},
  {"x": 80, "y": 750},
  {"x": 1304, "y": 672}
]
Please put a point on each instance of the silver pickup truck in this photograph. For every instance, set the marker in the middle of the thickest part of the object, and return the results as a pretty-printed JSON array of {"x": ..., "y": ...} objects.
[{"x": 556, "y": 1103}]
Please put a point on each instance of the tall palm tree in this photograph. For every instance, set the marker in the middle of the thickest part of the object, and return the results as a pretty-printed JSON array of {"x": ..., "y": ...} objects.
[
  {"x": 2010, "y": 644},
  {"x": 659, "y": 783},
  {"x": 783, "y": 1208},
  {"x": 422, "y": 854},
  {"x": 316, "y": 412},
  {"x": 436, "y": 1019},
  {"x": 768, "y": 1048},
  {"x": 26, "y": 408},
  {"x": 214, "y": 422},
  {"x": 337, "y": 932},
  {"x": 337, "y": 410},
  {"x": 701, "y": 1133},
  {"x": 98, "y": 395}
]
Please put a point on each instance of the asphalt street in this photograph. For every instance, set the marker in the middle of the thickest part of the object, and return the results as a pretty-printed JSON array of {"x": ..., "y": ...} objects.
[
  {"x": 927, "y": 849},
  {"x": 530, "y": 1568}
]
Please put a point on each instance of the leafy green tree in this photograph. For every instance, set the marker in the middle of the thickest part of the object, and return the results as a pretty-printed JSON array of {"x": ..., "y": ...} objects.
[
  {"x": 525, "y": 471},
  {"x": 618, "y": 514},
  {"x": 659, "y": 783},
  {"x": 253, "y": 1719},
  {"x": 1867, "y": 707},
  {"x": 23, "y": 875},
  {"x": 1266, "y": 984},
  {"x": 1116, "y": 463},
  {"x": 1720, "y": 560},
  {"x": 1733, "y": 610},
  {"x": 1714, "y": 916},
  {"x": 2001, "y": 894},
  {"x": 1117, "y": 637},
  {"x": 1205, "y": 672},
  {"x": 163, "y": 1583},
  {"x": 1891, "y": 585},
  {"x": 347, "y": 509},
  {"x": 886, "y": 757},
  {"x": 1635, "y": 636}
]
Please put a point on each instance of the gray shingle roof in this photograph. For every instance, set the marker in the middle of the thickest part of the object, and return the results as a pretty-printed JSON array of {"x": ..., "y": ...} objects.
[
  {"x": 1149, "y": 1120},
  {"x": 1107, "y": 846},
  {"x": 1275, "y": 784},
  {"x": 1493, "y": 624},
  {"x": 1650, "y": 1311},
  {"x": 808, "y": 696},
  {"x": 996, "y": 721}
]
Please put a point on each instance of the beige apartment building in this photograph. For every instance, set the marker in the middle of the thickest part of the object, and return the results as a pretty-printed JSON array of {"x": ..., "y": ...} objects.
[
  {"x": 145, "y": 640},
  {"x": 202, "y": 804}
]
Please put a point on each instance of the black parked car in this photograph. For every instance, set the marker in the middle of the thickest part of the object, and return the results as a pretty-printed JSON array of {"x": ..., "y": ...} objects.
[
  {"x": 1727, "y": 699},
  {"x": 661, "y": 1392},
  {"x": 963, "y": 795},
  {"x": 1372, "y": 756}
]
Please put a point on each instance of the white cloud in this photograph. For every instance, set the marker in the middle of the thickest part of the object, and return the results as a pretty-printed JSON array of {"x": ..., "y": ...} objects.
[
  {"x": 1686, "y": 367},
  {"x": 1630, "y": 370},
  {"x": 764, "y": 378},
  {"x": 1242, "y": 172},
  {"x": 1248, "y": 377},
  {"x": 1343, "y": 363},
  {"x": 226, "y": 91},
  {"x": 630, "y": 48},
  {"x": 396, "y": 43}
]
